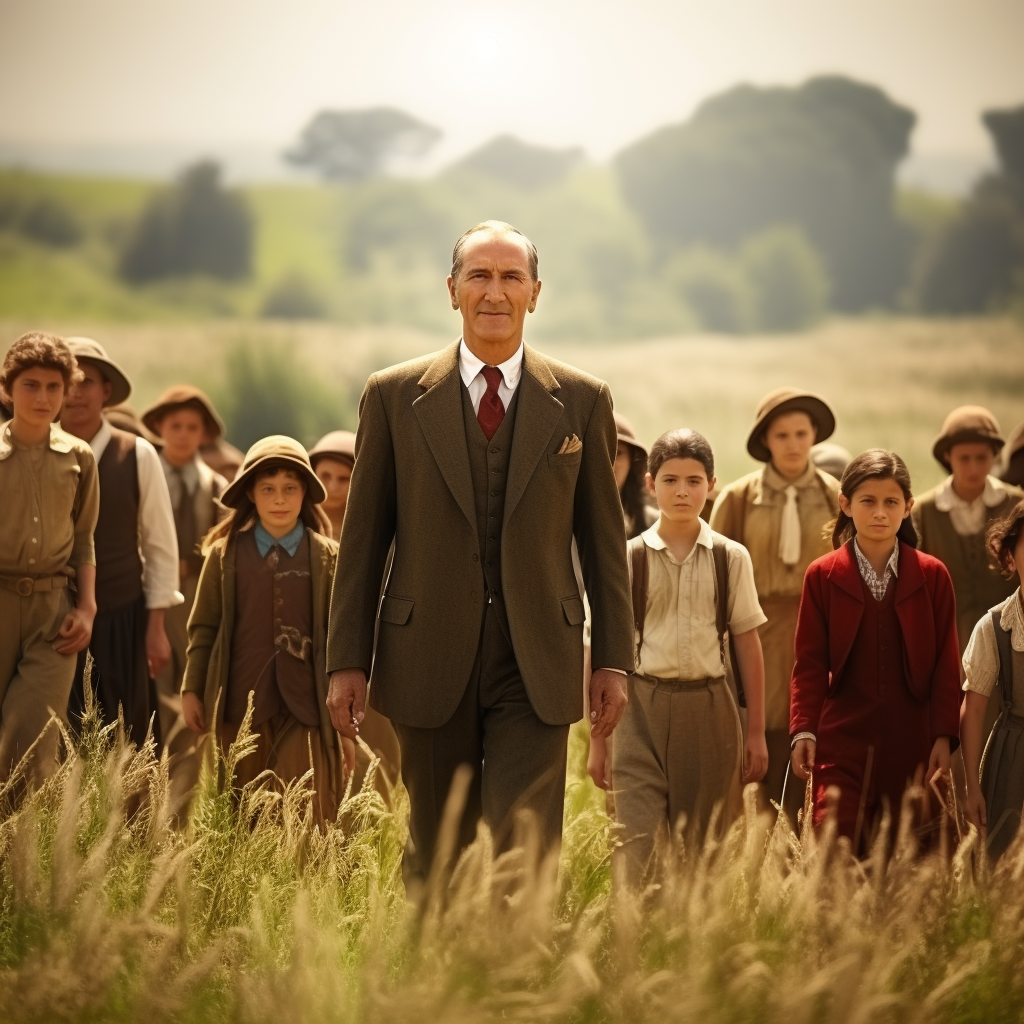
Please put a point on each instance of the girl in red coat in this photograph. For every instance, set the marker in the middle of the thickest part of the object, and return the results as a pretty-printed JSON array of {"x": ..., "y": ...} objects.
[{"x": 875, "y": 693}]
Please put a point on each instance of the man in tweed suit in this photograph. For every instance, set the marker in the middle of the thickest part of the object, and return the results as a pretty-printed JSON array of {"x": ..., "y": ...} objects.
[{"x": 481, "y": 463}]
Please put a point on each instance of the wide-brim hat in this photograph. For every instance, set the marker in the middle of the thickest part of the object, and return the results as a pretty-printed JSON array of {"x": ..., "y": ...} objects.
[
  {"x": 625, "y": 433},
  {"x": 785, "y": 400},
  {"x": 968, "y": 424},
  {"x": 280, "y": 449},
  {"x": 124, "y": 417},
  {"x": 94, "y": 352},
  {"x": 832, "y": 458},
  {"x": 222, "y": 457},
  {"x": 184, "y": 396},
  {"x": 338, "y": 444}
]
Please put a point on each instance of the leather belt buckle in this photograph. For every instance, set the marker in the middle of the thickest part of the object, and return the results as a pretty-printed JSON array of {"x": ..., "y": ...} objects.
[{"x": 25, "y": 586}]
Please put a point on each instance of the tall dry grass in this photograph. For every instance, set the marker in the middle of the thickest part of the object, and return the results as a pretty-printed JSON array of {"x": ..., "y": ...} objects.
[{"x": 251, "y": 914}]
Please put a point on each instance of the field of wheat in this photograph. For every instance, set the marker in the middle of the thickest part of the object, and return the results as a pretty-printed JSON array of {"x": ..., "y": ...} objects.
[{"x": 248, "y": 914}]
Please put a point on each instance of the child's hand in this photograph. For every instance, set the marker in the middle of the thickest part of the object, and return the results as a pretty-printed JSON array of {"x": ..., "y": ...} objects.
[
  {"x": 975, "y": 810},
  {"x": 938, "y": 762},
  {"x": 755, "y": 758},
  {"x": 192, "y": 711},
  {"x": 598, "y": 766},
  {"x": 802, "y": 758},
  {"x": 75, "y": 631}
]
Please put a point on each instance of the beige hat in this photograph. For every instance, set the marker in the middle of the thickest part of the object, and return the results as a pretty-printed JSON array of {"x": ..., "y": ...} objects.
[
  {"x": 624, "y": 432},
  {"x": 222, "y": 457},
  {"x": 969, "y": 424},
  {"x": 338, "y": 444},
  {"x": 184, "y": 396},
  {"x": 781, "y": 401},
  {"x": 93, "y": 352},
  {"x": 276, "y": 448},
  {"x": 831, "y": 458},
  {"x": 124, "y": 417},
  {"x": 1011, "y": 467}
]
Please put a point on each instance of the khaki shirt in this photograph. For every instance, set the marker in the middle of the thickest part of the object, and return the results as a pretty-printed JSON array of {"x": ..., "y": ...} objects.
[
  {"x": 749, "y": 510},
  {"x": 981, "y": 659},
  {"x": 51, "y": 498},
  {"x": 680, "y": 626}
]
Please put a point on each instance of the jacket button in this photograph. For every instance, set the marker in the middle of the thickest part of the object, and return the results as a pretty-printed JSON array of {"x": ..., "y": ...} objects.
[{"x": 476, "y": 558}]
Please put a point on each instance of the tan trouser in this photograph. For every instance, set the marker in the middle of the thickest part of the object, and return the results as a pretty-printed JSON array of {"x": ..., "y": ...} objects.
[
  {"x": 34, "y": 679},
  {"x": 176, "y": 738},
  {"x": 676, "y": 757}
]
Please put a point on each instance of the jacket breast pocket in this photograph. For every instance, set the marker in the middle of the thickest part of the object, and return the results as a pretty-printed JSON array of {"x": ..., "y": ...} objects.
[
  {"x": 573, "y": 608},
  {"x": 395, "y": 610},
  {"x": 570, "y": 461}
]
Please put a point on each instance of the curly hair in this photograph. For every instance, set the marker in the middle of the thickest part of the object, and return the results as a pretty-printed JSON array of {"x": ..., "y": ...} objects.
[
  {"x": 37, "y": 349},
  {"x": 1002, "y": 538}
]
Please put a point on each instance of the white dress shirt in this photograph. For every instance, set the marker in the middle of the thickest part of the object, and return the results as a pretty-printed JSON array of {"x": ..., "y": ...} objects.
[
  {"x": 470, "y": 367},
  {"x": 157, "y": 537}
]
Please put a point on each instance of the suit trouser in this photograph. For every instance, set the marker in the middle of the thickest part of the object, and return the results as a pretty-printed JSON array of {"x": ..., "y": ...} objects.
[
  {"x": 676, "y": 756},
  {"x": 518, "y": 761},
  {"x": 177, "y": 739},
  {"x": 34, "y": 679}
]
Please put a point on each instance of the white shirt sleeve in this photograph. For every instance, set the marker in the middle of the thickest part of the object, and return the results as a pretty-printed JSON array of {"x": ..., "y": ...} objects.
[
  {"x": 981, "y": 659},
  {"x": 158, "y": 539}
]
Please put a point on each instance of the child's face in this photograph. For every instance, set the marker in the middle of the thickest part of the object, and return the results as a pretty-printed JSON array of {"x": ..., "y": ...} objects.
[
  {"x": 278, "y": 500},
  {"x": 680, "y": 489},
  {"x": 182, "y": 432},
  {"x": 970, "y": 464},
  {"x": 334, "y": 475},
  {"x": 789, "y": 438},
  {"x": 877, "y": 509},
  {"x": 1016, "y": 560},
  {"x": 622, "y": 464},
  {"x": 36, "y": 395}
]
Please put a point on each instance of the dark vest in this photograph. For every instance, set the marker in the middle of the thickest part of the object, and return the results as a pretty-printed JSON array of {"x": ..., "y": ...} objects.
[
  {"x": 271, "y": 643},
  {"x": 877, "y": 653},
  {"x": 118, "y": 562},
  {"x": 488, "y": 464}
]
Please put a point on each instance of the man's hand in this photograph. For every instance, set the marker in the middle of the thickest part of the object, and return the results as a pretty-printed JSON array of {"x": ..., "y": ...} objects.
[
  {"x": 158, "y": 647},
  {"x": 607, "y": 701},
  {"x": 192, "y": 711},
  {"x": 346, "y": 700},
  {"x": 598, "y": 766},
  {"x": 75, "y": 631},
  {"x": 755, "y": 758},
  {"x": 802, "y": 758}
]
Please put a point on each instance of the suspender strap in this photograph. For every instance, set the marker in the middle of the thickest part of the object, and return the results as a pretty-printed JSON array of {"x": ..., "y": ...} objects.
[
  {"x": 721, "y": 556},
  {"x": 638, "y": 583},
  {"x": 1005, "y": 652}
]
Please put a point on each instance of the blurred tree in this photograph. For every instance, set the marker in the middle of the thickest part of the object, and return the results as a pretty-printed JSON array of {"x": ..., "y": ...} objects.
[
  {"x": 788, "y": 281},
  {"x": 822, "y": 156},
  {"x": 194, "y": 227},
  {"x": 1007, "y": 130},
  {"x": 714, "y": 288},
  {"x": 293, "y": 297},
  {"x": 350, "y": 145},
  {"x": 510, "y": 160},
  {"x": 44, "y": 219}
]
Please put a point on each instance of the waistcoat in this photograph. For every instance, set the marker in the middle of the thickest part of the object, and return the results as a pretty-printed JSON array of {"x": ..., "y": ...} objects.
[
  {"x": 876, "y": 659},
  {"x": 271, "y": 645},
  {"x": 488, "y": 464},
  {"x": 118, "y": 562}
]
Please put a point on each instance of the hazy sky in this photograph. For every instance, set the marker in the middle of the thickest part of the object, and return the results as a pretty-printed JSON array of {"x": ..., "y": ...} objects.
[{"x": 559, "y": 72}]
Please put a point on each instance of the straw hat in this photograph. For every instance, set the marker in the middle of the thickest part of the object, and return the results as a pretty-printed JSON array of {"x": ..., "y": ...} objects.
[
  {"x": 276, "y": 448},
  {"x": 93, "y": 352},
  {"x": 184, "y": 396},
  {"x": 969, "y": 424},
  {"x": 784, "y": 400},
  {"x": 624, "y": 432},
  {"x": 338, "y": 444}
]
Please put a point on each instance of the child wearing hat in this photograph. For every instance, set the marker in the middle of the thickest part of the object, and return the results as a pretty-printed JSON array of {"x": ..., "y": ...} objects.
[
  {"x": 136, "y": 551},
  {"x": 951, "y": 519},
  {"x": 258, "y": 629},
  {"x": 778, "y": 513},
  {"x": 184, "y": 419},
  {"x": 51, "y": 501}
]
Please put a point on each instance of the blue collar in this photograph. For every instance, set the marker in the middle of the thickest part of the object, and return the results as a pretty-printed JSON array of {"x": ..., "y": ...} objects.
[{"x": 290, "y": 541}]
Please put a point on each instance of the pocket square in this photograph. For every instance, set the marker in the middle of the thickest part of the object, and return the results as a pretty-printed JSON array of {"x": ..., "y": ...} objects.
[{"x": 570, "y": 445}]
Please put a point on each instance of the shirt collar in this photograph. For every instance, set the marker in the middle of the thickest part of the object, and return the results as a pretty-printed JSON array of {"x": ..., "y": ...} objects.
[
  {"x": 290, "y": 541},
  {"x": 58, "y": 441},
  {"x": 100, "y": 440},
  {"x": 946, "y": 499},
  {"x": 470, "y": 366},
  {"x": 189, "y": 472},
  {"x": 654, "y": 541},
  {"x": 891, "y": 566},
  {"x": 777, "y": 482}
]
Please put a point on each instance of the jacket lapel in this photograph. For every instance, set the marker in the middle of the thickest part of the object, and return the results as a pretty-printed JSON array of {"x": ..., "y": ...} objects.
[
  {"x": 439, "y": 411},
  {"x": 538, "y": 414},
  {"x": 847, "y": 607}
]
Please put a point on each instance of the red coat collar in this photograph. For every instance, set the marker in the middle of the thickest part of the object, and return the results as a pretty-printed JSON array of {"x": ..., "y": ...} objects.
[{"x": 844, "y": 572}]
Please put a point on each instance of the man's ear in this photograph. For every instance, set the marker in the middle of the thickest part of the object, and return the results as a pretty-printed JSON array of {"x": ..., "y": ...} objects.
[
  {"x": 533, "y": 298},
  {"x": 712, "y": 482},
  {"x": 451, "y": 293}
]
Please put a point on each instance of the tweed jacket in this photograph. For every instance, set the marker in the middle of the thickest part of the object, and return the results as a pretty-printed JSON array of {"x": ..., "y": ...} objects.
[
  {"x": 211, "y": 625},
  {"x": 411, "y": 486},
  {"x": 830, "y": 614}
]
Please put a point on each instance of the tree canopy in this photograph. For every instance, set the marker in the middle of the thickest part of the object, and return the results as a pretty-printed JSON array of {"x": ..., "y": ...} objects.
[{"x": 519, "y": 163}]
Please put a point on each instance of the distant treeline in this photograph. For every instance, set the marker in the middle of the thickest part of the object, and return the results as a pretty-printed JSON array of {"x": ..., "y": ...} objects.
[{"x": 764, "y": 211}]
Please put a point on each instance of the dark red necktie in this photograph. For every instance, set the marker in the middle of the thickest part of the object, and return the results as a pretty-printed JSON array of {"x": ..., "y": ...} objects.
[{"x": 491, "y": 411}]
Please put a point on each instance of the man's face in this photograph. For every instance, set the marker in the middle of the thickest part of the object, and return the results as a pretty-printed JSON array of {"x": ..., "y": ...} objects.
[
  {"x": 494, "y": 290},
  {"x": 970, "y": 463},
  {"x": 182, "y": 432},
  {"x": 83, "y": 408}
]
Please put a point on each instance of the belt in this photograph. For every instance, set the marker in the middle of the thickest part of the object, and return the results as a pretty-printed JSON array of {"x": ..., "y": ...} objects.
[
  {"x": 26, "y": 585},
  {"x": 680, "y": 684}
]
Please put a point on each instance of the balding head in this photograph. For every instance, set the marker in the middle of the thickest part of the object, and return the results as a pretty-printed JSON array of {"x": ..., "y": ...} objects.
[{"x": 499, "y": 228}]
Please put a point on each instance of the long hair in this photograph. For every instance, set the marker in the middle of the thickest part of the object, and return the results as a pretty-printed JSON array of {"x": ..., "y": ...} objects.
[
  {"x": 632, "y": 495},
  {"x": 244, "y": 515},
  {"x": 874, "y": 464}
]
